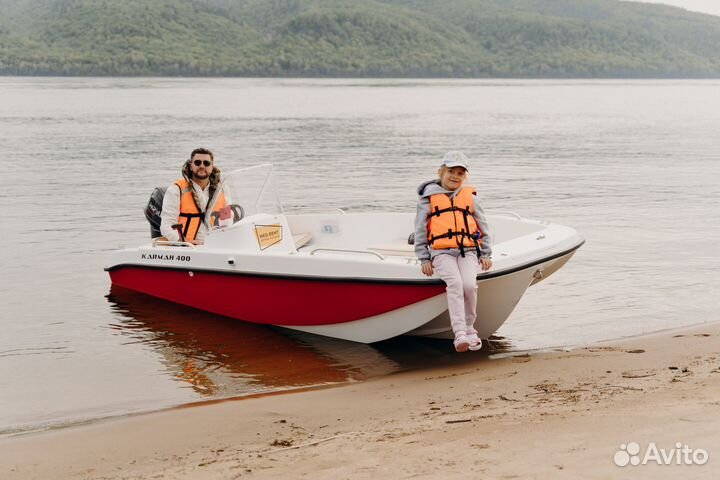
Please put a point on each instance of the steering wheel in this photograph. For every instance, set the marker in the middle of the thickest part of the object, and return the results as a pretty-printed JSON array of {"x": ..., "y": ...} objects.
[{"x": 237, "y": 211}]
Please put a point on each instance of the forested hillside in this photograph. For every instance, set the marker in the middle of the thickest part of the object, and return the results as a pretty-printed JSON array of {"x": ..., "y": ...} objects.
[{"x": 401, "y": 38}]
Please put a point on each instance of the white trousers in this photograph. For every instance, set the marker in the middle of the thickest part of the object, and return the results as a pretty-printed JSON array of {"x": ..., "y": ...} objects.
[{"x": 459, "y": 274}]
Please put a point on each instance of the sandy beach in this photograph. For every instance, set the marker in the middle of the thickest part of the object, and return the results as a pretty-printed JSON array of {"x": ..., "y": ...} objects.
[{"x": 557, "y": 414}]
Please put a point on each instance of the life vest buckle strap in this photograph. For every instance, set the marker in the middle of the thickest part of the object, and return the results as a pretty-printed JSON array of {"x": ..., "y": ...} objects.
[{"x": 439, "y": 212}]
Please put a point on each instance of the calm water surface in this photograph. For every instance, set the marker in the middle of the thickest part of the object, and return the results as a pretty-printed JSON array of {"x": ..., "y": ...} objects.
[{"x": 632, "y": 165}]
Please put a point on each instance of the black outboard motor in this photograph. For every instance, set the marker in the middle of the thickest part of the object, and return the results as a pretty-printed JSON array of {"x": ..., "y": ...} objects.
[{"x": 153, "y": 210}]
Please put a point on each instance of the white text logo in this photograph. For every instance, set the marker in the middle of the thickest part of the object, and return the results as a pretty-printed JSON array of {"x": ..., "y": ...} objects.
[{"x": 629, "y": 454}]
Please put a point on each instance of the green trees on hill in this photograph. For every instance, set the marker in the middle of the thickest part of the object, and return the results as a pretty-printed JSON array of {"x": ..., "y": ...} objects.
[{"x": 406, "y": 38}]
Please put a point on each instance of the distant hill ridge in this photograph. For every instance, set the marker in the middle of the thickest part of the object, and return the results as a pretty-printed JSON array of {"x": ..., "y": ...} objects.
[{"x": 357, "y": 38}]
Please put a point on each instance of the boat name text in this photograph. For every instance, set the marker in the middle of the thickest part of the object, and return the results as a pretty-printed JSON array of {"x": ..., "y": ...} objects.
[{"x": 165, "y": 256}]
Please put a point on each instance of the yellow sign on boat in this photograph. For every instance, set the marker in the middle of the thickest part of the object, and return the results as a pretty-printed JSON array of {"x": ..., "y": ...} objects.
[{"x": 268, "y": 235}]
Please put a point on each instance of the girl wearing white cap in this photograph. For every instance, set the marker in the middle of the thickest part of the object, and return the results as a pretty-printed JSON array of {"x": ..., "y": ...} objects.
[{"x": 452, "y": 239}]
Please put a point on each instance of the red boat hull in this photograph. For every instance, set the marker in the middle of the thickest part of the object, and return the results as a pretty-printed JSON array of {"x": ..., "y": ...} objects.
[{"x": 293, "y": 301}]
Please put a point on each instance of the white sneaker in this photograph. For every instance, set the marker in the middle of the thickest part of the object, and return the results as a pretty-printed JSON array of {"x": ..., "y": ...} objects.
[
  {"x": 462, "y": 342},
  {"x": 475, "y": 342}
]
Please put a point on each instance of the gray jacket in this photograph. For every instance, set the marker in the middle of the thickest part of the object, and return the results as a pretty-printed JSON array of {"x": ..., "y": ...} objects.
[{"x": 422, "y": 249}]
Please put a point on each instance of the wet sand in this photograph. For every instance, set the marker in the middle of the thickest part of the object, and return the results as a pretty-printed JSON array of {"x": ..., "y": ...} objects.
[{"x": 559, "y": 414}]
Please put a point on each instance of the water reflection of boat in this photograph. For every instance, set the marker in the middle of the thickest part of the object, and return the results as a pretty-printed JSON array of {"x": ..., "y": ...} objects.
[
  {"x": 220, "y": 357},
  {"x": 348, "y": 276}
]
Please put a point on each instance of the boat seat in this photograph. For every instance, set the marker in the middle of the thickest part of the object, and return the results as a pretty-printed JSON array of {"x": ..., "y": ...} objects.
[
  {"x": 301, "y": 239},
  {"x": 399, "y": 248}
]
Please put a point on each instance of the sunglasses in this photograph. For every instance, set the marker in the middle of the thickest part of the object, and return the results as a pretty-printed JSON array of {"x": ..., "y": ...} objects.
[{"x": 206, "y": 163}]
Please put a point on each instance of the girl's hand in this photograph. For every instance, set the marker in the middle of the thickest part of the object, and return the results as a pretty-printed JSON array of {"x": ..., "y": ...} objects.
[
  {"x": 485, "y": 262},
  {"x": 426, "y": 268}
]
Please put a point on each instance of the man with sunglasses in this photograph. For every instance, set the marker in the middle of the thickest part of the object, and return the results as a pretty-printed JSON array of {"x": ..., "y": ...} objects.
[{"x": 186, "y": 201}]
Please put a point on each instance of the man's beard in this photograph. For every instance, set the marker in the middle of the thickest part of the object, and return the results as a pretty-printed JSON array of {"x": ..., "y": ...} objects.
[{"x": 204, "y": 176}]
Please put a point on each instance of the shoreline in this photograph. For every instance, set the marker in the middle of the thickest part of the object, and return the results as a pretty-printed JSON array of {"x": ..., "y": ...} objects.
[
  {"x": 80, "y": 422},
  {"x": 546, "y": 414},
  {"x": 71, "y": 424}
]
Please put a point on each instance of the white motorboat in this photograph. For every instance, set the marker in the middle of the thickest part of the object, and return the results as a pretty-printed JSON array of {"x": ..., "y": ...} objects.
[{"x": 351, "y": 276}]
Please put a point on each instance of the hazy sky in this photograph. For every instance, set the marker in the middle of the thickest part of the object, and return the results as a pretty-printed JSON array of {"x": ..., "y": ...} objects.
[{"x": 704, "y": 6}]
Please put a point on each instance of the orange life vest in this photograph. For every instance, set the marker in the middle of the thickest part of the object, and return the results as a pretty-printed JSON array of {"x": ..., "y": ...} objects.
[
  {"x": 451, "y": 223},
  {"x": 191, "y": 217}
]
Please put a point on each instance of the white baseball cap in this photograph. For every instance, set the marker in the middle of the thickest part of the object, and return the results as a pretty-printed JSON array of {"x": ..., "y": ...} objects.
[{"x": 455, "y": 159}]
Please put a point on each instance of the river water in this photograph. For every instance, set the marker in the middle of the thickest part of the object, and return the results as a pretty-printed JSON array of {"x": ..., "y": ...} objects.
[{"x": 632, "y": 165}]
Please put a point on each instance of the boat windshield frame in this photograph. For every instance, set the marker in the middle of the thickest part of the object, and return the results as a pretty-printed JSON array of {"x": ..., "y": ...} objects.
[{"x": 252, "y": 188}]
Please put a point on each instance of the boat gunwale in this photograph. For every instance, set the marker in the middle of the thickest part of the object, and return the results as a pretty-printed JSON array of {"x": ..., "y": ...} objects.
[{"x": 420, "y": 282}]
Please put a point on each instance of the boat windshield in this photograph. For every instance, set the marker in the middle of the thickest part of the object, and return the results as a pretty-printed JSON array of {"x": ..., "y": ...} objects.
[{"x": 242, "y": 193}]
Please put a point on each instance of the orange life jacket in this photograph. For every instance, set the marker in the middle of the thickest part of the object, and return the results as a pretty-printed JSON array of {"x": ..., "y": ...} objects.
[
  {"x": 452, "y": 224},
  {"x": 191, "y": 217}
]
